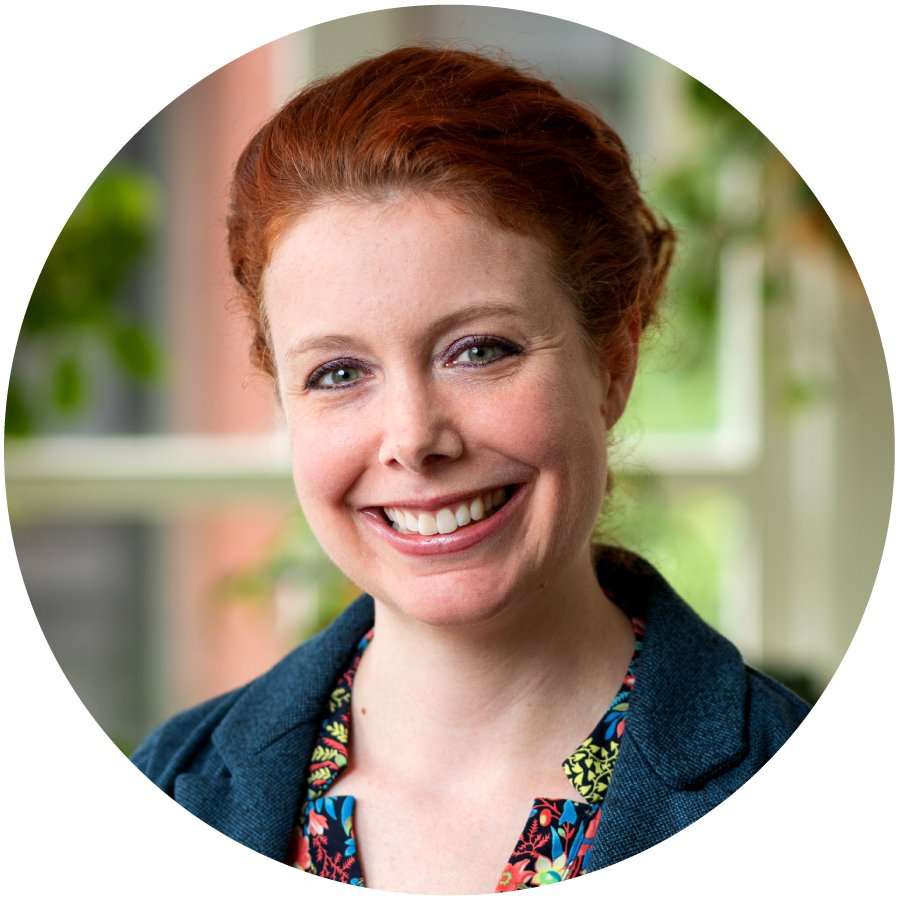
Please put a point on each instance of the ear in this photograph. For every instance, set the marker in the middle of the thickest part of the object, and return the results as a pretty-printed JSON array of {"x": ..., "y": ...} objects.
[{"x": 622, "y": 369}]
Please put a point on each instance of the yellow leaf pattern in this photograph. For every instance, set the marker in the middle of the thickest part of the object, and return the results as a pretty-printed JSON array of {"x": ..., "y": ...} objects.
[
  {"x": 324, "y": 754},
  {"x": 339, "y": 731},
  {"x": 590, "y": 768},
  {"x": 339, "y": 698},
  {"x": 320, "y": 774}
]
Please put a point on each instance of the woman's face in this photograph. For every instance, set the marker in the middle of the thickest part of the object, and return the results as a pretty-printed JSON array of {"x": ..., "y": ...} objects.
[{"x": 427, "y": 362}]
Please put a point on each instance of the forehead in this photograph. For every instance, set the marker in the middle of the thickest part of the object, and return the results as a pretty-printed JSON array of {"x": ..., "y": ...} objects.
[{"x": 406, "y": 261}]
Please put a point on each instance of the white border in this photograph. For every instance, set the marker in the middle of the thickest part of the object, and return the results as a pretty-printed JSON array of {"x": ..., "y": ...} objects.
[{"x": 80, "y": 79}]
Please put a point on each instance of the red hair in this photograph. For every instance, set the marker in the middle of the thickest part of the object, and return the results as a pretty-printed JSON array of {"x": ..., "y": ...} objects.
[{"x": 479, "y": 133}]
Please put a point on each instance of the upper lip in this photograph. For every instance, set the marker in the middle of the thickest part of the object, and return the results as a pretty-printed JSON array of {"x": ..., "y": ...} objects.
[{"x": 430, "y": 503}]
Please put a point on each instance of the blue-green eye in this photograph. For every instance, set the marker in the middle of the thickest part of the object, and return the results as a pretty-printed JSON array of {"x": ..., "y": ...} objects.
[
  {"x": 339, "y": 376},
  {"x": 478, "y": 353}
]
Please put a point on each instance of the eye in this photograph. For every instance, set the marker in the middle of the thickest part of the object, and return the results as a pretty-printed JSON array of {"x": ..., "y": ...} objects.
[
  {"x": 479, "y": 350},
  {"x": 478, "y": 353},
  {"x": 337, "y": 376}
]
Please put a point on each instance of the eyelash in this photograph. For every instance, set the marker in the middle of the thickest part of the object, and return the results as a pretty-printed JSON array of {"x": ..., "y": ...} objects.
[
  {"x": 507, "y": 348},
  {"x": 333, "y": 366}
]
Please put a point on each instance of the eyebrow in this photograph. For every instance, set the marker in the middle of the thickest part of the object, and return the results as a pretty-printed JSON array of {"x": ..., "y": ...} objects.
[
  {"x": 318, "y": 342},
  {"x": 337, "y": 342}
]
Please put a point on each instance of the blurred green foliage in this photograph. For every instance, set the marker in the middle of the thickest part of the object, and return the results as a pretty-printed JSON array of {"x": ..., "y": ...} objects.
[
  {"x": 689, "y": 535},
  {"x": 296, "y": 565},
  {"x": 676, "y": 388},
  {"x": 78, "y": 303}
]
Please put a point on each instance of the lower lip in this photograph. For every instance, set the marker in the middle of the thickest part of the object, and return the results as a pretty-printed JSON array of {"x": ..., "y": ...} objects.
[{"x": 439, "y": 544}]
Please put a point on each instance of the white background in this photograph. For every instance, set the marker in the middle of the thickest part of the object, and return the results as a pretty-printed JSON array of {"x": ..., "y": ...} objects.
[{"x": 80, "y": 78}]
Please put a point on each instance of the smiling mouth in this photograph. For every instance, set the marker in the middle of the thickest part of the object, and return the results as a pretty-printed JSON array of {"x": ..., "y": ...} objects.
[{"x": 449, "y": 518}]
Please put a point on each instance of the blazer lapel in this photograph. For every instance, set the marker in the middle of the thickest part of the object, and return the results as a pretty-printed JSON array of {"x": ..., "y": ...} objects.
[
  {"x": 685, "y": 721},
  {"x": 262, "y": 747},
  {"x": 257, "y": 800},
  {"x": 636, "y": 813}
]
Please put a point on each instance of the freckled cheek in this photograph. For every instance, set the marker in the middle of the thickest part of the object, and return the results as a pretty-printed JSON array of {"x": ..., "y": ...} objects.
[
  {"x": 547, "y": 427},
  {"x": 559, "y": 433},
  {"x": 327, "y": 459}
]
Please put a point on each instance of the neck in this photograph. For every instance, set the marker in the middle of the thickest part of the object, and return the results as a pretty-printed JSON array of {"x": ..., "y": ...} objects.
[{"x": 551, "y": 662}]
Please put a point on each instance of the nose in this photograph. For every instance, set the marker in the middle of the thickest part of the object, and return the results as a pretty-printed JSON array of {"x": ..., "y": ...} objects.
[{"x": 418, "y": 431}]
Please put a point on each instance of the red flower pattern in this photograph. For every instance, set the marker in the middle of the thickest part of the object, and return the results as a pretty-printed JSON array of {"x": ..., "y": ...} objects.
[
  {"x": 514, "y": 876},
  {"x": 317, "y": 823}
]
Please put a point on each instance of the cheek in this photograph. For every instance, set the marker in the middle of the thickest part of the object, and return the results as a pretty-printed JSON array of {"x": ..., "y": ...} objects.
[
  {"x": 554, "y": 425},
  {"x": 327, "y": 458}
]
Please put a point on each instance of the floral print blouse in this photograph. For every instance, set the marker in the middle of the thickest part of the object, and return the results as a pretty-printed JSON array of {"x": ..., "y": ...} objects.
[{"x": 557, "y": 838}]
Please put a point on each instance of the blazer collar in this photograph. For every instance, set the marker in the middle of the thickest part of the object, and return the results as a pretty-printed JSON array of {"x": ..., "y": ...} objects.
[
  {"x": 295, "y": 691},
  {"x": 688, "y": 707},
  {"x": 266, "y": 739}
]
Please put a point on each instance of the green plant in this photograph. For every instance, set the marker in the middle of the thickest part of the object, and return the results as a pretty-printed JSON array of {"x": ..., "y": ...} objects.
[
  {"x": 774, "y": 208},
  {"x": 77, "y": 305}
]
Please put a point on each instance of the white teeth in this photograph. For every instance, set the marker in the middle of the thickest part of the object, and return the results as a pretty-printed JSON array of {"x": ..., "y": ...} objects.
[
  {"x": 427, "y": 524},
  {"x": 446, "y": 521}
]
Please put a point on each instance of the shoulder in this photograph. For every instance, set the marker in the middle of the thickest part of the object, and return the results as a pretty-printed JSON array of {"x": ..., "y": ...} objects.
[
  {"x": 176, "y": 745},
  {"x": 700, "y": 722},
  {"x": 203, "y": 740},
  {"x": 773, "y": 714},
  {"x": 698, "y": 711}
]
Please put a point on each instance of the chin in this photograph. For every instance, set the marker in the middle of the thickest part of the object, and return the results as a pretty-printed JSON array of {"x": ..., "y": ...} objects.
[{"x": 447, "y": 606}]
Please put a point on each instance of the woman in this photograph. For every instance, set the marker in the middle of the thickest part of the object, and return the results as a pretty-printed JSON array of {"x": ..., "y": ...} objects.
[{"x": 449, "y": 267}]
